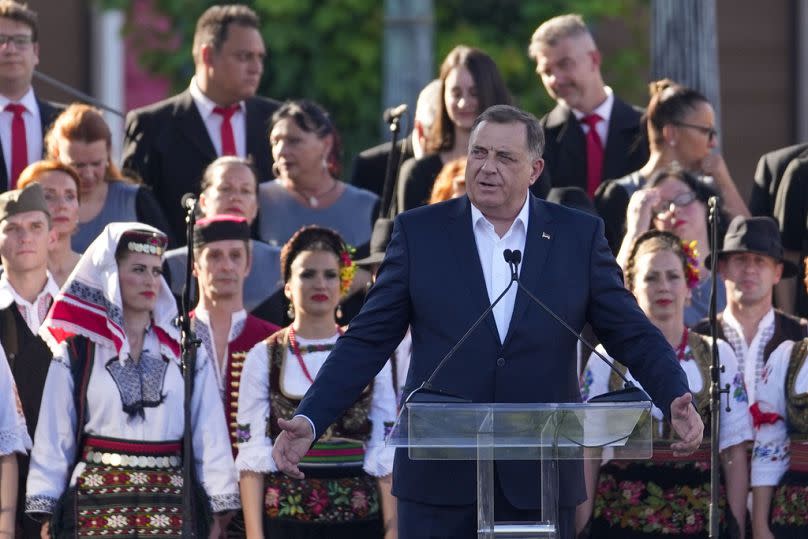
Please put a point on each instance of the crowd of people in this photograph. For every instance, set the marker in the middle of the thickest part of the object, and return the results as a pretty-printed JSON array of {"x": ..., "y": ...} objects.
[{"x": 293, "y": 270}]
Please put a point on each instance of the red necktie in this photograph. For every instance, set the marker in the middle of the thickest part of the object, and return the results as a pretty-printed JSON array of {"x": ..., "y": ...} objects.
[
  {"x": 228, "y": 141},
  {"x": 594, "y": 154},
  {"x": 19, "y": 145}
]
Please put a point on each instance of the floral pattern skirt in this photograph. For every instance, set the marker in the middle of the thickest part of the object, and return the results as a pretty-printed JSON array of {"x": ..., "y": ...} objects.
[
  {"x": 656, "y": 499},
  {"x": 789, "y": 509},
  {"x": 327, "y": 503}
]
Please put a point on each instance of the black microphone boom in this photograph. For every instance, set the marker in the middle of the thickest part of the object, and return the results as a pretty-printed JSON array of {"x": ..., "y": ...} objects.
[
  {"x": 188, "y": 201},
  {"x": 394, "y": 113}
]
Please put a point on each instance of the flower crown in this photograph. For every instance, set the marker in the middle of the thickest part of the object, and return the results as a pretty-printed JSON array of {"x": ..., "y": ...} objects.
[
  {"x": 692, "y": 264},
  {"x": 347, "y": 268}
]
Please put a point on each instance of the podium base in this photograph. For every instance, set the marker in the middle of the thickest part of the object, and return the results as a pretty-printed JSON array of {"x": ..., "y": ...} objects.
[{"x": 520, "y": 530}]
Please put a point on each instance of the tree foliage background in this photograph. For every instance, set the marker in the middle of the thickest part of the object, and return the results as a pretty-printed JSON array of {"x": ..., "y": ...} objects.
[{"x": 331, "y": 51}]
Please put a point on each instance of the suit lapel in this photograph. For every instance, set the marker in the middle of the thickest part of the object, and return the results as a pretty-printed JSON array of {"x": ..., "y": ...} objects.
[
  {"x": 461, "y": 238},
  {"x": 623, "y": 126},
  {"x": 191, "y": 124},
  {"x": 570, "y": 167},
  {"x": 539, "y": 240}
]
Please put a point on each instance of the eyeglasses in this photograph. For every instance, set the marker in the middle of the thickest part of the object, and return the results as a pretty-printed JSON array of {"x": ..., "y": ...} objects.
[
  {"x": 711, "y": 132},
  {"x": 679, "y": 201},
  {"x": 20, "y": 41}
]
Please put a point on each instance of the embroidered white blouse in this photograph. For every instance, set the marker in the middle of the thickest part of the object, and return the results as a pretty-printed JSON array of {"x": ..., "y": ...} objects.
[
  {"x": 255, "y": 453},
  {"x": 735, "y": 426},
  {"x": 13, "y": 430},
  {"x": 771, "y": 453},
  {"x": 55, "y": 441}
]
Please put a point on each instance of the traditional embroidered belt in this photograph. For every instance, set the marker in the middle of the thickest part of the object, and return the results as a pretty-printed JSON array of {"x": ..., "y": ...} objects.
[
  {"x": 799, "y": 457},
  {"x": 125, "y": 453},
  {"x": 666, "y": 455},
  {"x": 335, "y": 453}
]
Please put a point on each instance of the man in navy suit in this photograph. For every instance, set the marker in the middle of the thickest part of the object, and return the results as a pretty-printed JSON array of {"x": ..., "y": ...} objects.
[
  {"x": 169, "y": 144},
  {"x": 443, "y": 267}
]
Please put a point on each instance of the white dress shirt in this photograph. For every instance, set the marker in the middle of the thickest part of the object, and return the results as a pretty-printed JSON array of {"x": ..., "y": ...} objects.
[
  {"x": 205, "y": 333},
  {"x": 32, "y": 312},
  {"x": 496, "y": 272},
  {"x": 213, "y": 121},
  {"x": 33, "y": 128},
  {"x": 604, "y": 110}
]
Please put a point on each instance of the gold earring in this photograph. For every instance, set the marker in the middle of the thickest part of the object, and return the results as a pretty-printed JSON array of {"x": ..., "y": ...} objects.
[
  {"x": 339, "y": 311},
  {"x": 290, "y": 312}
]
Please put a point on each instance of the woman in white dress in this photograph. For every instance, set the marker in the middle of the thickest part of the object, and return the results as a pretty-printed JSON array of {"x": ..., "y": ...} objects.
[
  {"x": 346, "y": 492},
  {"x": 14, "y": 439},
  {"x": 107, "y": 454},
  {"x": 669, "y": 496}
]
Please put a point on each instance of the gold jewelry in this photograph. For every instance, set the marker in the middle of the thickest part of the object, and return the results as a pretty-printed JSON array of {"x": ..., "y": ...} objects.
[
  {"x": 290, "y": 311},
  {"x": 311, "y": 200},
  {"x": 339, "y": 311}
]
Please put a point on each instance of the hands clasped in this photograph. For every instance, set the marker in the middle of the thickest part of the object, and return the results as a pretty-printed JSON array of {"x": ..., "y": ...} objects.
[{"x": 292, "y": 445}]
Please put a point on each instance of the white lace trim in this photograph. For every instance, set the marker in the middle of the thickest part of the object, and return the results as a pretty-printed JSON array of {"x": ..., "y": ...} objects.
[
  {"x": 257, "y": 460},
  {"x": 379, "y": 461},
  {"x": 14, "y": 441},
  {"x": 40, "y": 504},
  {"x": 225, "y": 502}
]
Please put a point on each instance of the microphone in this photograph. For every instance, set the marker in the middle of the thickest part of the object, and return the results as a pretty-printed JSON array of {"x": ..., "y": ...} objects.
[
  {"x": 426, "y": 392},
  {"x": 188, "y": 201},
  {"x": 394, "y": 113},
  {"x": 630, "y": 392}
]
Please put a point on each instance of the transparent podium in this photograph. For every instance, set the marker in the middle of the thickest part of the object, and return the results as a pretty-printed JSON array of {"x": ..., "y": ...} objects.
[{"x": 545, "y": 432}]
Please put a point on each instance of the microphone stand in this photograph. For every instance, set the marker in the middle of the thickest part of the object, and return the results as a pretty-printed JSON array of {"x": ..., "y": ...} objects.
[
  {"x": 391, "y": 169},
  {"x": 715, "y": 373},
  {"x": 188, "y": 346}
]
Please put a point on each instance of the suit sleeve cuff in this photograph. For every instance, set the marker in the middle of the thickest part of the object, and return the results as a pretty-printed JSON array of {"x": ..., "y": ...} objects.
[{"x": 311, "y": 424}]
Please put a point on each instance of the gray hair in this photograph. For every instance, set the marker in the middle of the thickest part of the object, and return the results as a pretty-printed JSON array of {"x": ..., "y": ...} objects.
[
  {"x": 426, "y": 107},
  {"x": 551, "y": 31},
  {"x": 507, "y": 114}
]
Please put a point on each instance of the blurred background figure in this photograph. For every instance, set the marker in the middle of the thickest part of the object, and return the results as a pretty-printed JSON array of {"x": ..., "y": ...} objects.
[{"x": 450, "y": 182}]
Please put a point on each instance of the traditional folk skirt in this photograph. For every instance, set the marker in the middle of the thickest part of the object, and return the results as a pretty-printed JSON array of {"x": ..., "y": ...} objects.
[
  {"x": 789, "y": 509},
  {"x": 336, "y": 499},
  {"x": 126, "y": 490},
  {"x": 663, "y": 497}
]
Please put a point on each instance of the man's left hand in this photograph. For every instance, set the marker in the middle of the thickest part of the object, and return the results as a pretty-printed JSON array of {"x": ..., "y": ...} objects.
[{"x": 687, "y": 424}]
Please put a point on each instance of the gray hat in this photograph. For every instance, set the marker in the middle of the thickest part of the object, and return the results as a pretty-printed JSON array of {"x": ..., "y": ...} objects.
[
  {"x": 31, "y": 198},
  {"x": 758, "y": 235}
]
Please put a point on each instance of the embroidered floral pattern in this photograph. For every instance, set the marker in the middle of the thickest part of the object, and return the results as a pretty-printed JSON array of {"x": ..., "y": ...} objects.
[
  {"x": 770, "y": 452},
  {"x": 739, "y": 389},
  {"x": 39, "y": 504},
  {"x": 586, "y": 381},
  {"x": 225, "y": 502},
  {"x": 140, "y": 383},
  {"x": 788, "y": 505},
  {"x": 95, "y": 296},
  {"x": 321, "y": 500},
  {"x": 243, "y": 433}
]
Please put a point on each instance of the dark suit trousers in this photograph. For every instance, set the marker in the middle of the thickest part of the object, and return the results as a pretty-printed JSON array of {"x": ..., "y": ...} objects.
[{"x": 424, "y": 521}]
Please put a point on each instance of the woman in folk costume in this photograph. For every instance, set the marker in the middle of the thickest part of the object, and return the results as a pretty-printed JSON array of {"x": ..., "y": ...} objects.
[
  {"x": 669, "y": 496},
  {"x": 346, "y": 491},
  {"x": 107, "y": 459},
  {"x": 13, "y": 439}
]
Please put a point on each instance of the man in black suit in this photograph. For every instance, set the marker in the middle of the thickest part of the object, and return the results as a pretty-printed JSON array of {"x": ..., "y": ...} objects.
[
  {"x": 370, "y": 166},
  {"x": 170, "y": 143},
  {"x": 24, "y": 118},
  {"x": 769, "y": 173},
  {"x": 568, "y": 62}
]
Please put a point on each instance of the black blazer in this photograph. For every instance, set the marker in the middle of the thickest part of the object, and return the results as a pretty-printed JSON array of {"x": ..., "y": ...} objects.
[
  {"x": 370, "y": 166},
  {"x": 47, "y": 114},
  {"x": 168, "y": 146},
  {"x": 565, "y": 146},
  {"x": 769, "y": 172}
]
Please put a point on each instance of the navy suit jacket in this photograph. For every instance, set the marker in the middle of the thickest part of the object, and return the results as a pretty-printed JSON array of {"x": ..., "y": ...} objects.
[
  {"x": 168, "y": 146},
  {"x": 431, "y": 279}
]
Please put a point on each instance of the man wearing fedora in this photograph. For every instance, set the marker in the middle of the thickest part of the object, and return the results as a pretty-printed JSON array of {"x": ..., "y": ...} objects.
[{"x": 751, "y": 263}]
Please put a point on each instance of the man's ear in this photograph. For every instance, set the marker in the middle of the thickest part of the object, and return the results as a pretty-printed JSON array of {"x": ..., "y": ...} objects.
[{"x": 537, "y": 166}]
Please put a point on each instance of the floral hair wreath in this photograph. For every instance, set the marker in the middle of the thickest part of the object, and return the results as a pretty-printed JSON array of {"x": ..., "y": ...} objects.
[
  {"x": 692, "y": 264},
  {"x": 347, "y": 268}
]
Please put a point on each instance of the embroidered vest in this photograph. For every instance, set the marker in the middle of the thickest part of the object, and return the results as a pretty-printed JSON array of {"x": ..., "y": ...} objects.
[
  {"x": 255, "y": 330},
  {"x": 354, "y": 424},
  {"x": 699, "y": 346},
  {"x": 796, "y": 404}
]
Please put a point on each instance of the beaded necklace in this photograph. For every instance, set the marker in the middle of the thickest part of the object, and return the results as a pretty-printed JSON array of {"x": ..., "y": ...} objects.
[
  {"x": 680, "y": 352},
  {"x": 309, "y": 348}
]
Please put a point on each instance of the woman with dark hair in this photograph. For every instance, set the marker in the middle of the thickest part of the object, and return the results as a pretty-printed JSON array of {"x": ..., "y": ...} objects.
[
  {"x": 780, "y": 454},
  {"x": 470, "y": 83},
  {"x": 107, "y": 458},
  {"x": 60, "y": 183},
  {"x": 681, "y": 208},
  {"x": 82, "y": 139},
  {"x": 681, "y": 130},
  {"x": 669, "y": 496},
  {"x": 346, "y": 491},
  {"x": 306, "y": 149}
]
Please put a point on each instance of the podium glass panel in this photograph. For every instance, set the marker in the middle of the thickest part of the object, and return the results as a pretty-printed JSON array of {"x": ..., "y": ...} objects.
[{"x": 548, "y": 432}]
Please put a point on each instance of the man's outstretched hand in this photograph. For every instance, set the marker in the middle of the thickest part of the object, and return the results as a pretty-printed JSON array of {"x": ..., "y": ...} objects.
[
  {"x": 292, "y": 445},
  {"x": 687, "y": 424}
]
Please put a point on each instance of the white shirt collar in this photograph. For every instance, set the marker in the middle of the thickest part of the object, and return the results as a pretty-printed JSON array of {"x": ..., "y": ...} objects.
[
  {"x": 766, "y": 321},
  {"x": 237, "y": 320},
  {"x": 203, "y": 102},
  {"x": 9, "y": 295},
  {"x": 604, "y": 110},
  {"x": 28, "y": 100},
  {"x": 522, "y": 217}
]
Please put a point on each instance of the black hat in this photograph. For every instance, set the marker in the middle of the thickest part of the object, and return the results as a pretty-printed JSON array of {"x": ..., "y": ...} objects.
[
  {"x": 758, "y": 235},
  {"x": 379, "y": 239},
  {"x": 31, "y": 198},
  {"x": 221, "y": 227}
]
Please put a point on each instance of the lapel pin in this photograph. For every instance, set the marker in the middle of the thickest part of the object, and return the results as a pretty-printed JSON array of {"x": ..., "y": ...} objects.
[{"x": 545, "y": 236}]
